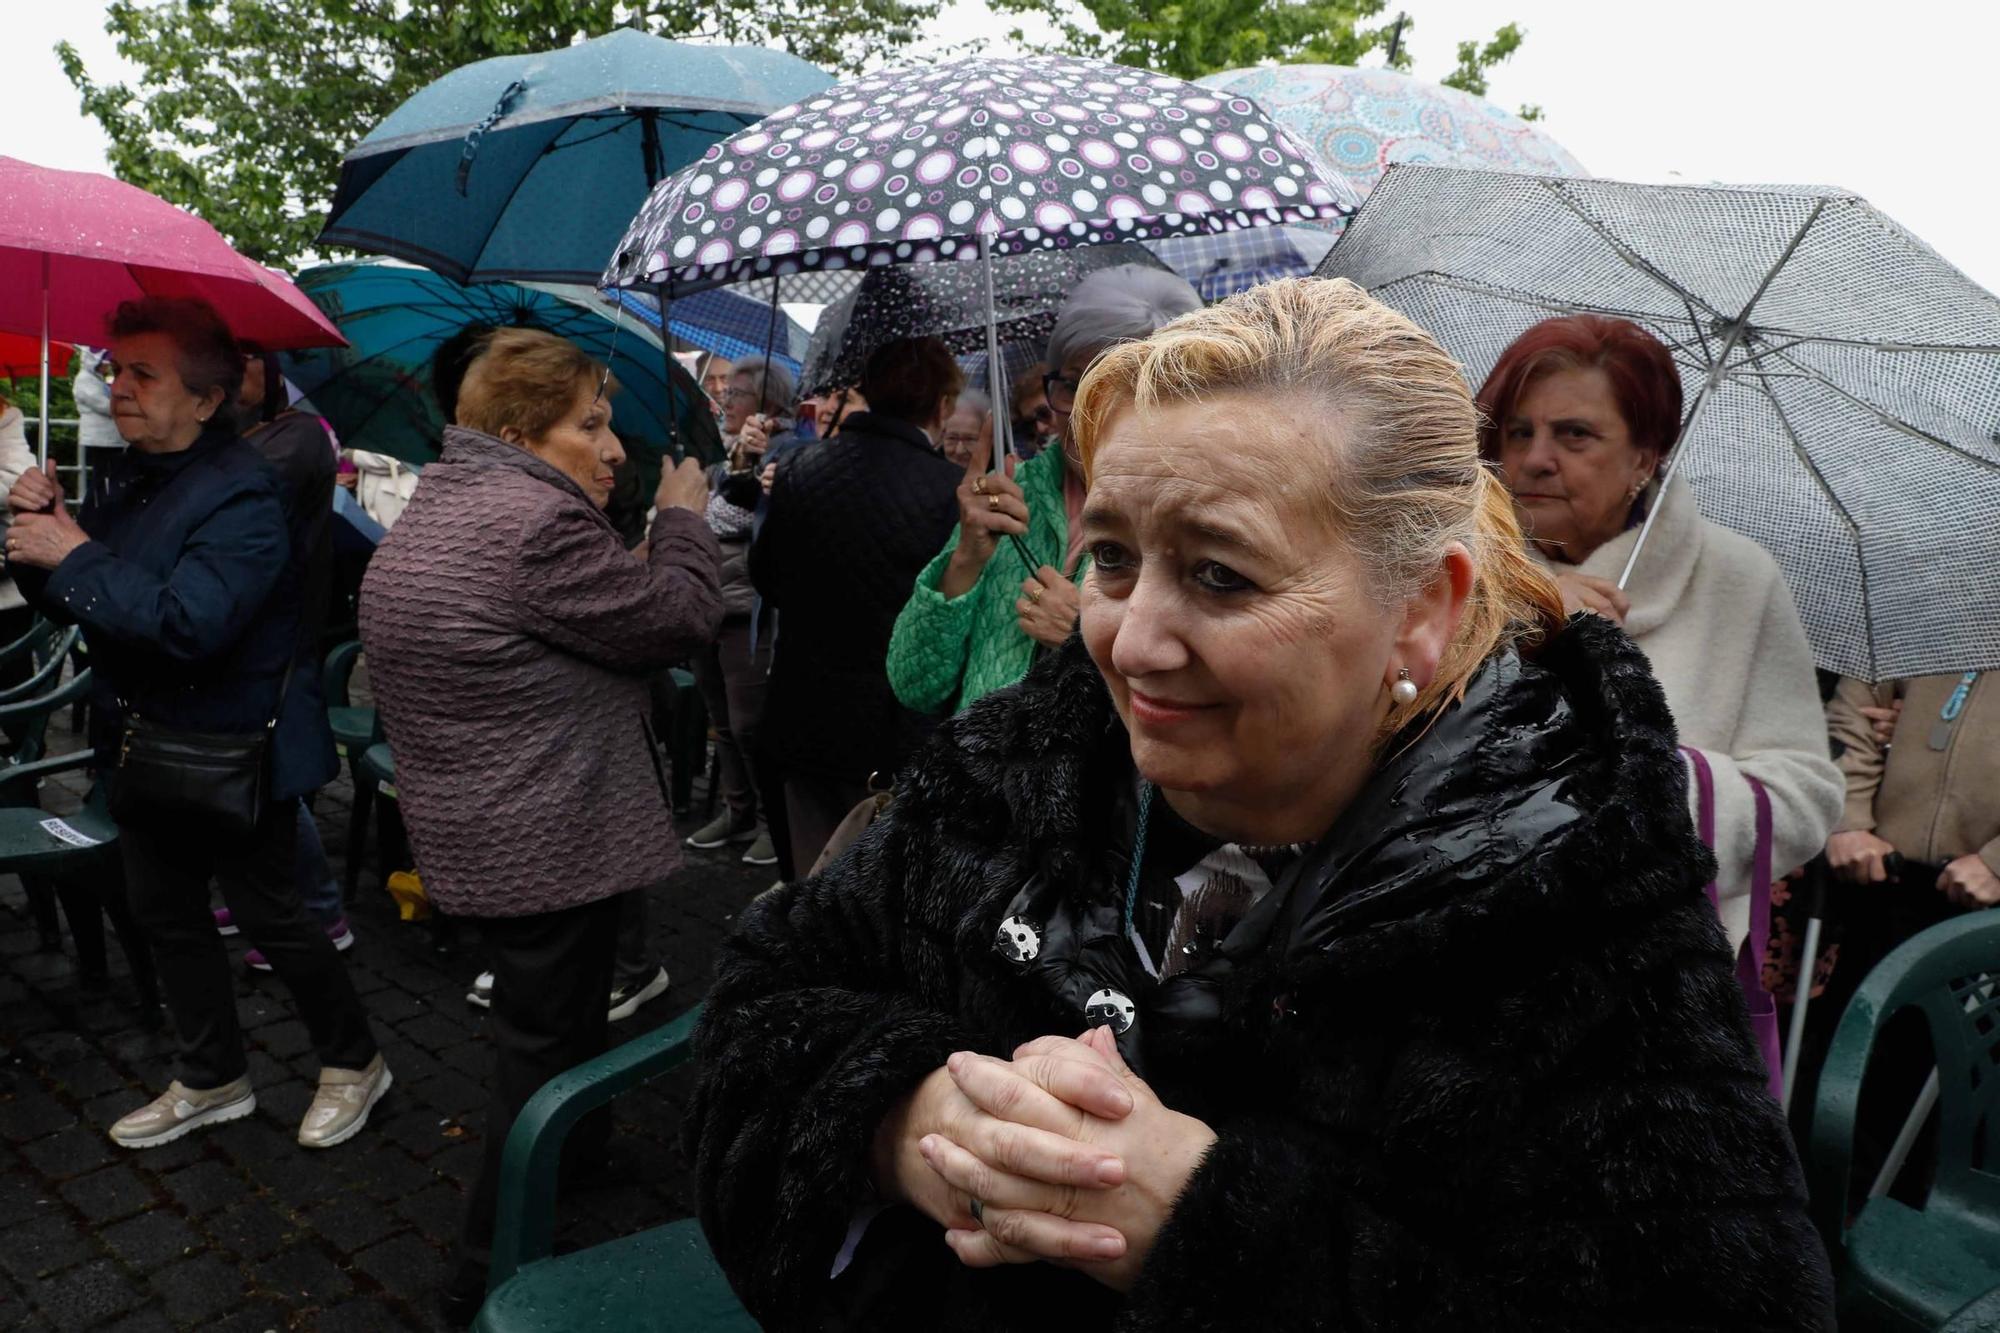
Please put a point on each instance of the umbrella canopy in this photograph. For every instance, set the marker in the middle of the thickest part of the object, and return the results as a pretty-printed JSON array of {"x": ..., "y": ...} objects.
[
  {"x": 1844, "y": 380},
  {"x": 528, "y": 167},
  {"x": 376, "y": 391},
  {"x": 725, "y": 321},
  {"x": 949, "y": 301},
  {"x": 1362, "y": 120},
  {"x": 90, "y": 242},
  {"x": 1224, "y": 264},
  {"x": 935, "y": 161},
  {"x": 21, "y": 357}
]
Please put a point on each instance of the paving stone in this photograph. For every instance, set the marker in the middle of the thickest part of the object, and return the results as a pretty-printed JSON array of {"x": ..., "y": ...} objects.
[
  {"x": 302, "y": 1177},
  {"x": 391, "y": 1175},
  {"x": 252, "y": 1229},
  {"x": 151, "y": 1319},
  {"x": 252, "y": 1144},
  {"x": 358, "y": 1317},
  {"x": 58, "y": 1048},
  {"x": 404, "y": 1264},
  {"x": 85, "y": 1296},
  {"x": 452, "y": 1093},
  {"x": 104, "y": 1196},
  {"x": 69, "y": 1152},
  {"x": 21, "y": 1195},
  {"x": 395, "y": 1005},
  {"x": 31, "y": 1113},
  {"x": 474, "y": 1059},
  {"x": 91, "y": 1077},
  {"x": 434, "y": 1031},
  {"x": 150, "y": 1240},
  {"x": 262, "y": 1315},
  {"x": 302, "y": 1274},
  {"x": 436, "y": 1211},
  {"x": 202, "y": 1188},
  {"x": 195, "y": 1291},
  {"x": 47, "y": 1244},
  {"x": 352, "y": 1223}
]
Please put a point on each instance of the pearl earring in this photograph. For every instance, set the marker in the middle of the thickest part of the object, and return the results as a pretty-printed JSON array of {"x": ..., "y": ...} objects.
[{"x": 1404, "y": 691}]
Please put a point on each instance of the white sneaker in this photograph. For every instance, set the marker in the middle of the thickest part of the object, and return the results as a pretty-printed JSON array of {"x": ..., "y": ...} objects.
[
  {"x": 625, "y": 1000},
  {"x": 481, "y": 993},
  {"x": 341, "y": 1106}
]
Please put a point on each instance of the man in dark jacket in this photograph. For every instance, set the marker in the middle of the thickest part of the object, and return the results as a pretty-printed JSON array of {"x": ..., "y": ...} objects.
[
  {"x": 850, "y": 522},
  {"x": 298, "y": 449}
]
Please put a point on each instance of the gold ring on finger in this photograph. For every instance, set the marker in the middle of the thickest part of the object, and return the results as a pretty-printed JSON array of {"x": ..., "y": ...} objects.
[
  {"x": 1035, "y": 596},
  {"x": 993, "y": 503},
  {"x": 979, "y": 485}
]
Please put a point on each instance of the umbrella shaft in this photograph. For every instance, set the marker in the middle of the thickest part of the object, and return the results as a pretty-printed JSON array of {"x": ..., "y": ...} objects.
[{"x": 43, "y": 446}]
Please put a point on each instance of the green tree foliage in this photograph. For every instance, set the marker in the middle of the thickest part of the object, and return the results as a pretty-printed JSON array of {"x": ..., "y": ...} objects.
[
  {"x": 1190, "y": 38},
  {"x": 242, "y": 108}
]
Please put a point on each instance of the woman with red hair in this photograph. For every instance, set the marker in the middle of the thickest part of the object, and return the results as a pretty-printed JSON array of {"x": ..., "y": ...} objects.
[{"x": 1579, "y": 415}]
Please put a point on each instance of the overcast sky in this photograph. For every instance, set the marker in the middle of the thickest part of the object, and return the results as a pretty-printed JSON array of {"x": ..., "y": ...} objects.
[{"x": 1893, "y": 100}]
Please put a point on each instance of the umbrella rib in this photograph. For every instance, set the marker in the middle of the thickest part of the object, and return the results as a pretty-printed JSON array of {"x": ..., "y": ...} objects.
[
  {"x": 1632, "y": 257},
  {"x": 1796, "y": 339},
  {"x": 1853, "y": 528},
  {"x": 1515, "y": 294},
  {"x": 1886, "y": 418},
  {"x": 508, "y": 202}
]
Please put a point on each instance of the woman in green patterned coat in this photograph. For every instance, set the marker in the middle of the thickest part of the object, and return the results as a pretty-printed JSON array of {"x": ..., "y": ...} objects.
[{"x": 979, "y": 611}]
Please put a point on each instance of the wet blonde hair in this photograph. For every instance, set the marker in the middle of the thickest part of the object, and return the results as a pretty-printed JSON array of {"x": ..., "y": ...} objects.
[{"x": 1402, "y": 446}]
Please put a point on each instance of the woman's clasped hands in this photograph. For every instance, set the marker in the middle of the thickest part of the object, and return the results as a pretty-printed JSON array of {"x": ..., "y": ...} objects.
[{"x": 1061, "y": 1154}]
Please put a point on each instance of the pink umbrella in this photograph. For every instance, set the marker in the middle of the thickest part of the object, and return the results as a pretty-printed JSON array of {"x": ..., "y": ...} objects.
[{"x": 74, "y": 244}]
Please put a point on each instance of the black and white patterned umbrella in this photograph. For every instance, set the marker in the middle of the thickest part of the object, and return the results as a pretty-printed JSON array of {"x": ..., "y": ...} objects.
[
  {"x": 1843, "y": 380},
  {"x": 948, "y": 301},
  {"x": 937, "y": 161}
]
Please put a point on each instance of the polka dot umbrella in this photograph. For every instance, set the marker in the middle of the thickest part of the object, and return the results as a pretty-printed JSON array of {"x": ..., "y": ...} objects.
[{"x": 971, "y": 158}]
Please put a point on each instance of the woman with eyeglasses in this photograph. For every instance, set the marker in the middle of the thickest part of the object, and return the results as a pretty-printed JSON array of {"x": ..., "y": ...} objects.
[
  {"x": 1034, "y": 420},
  {"x": 1005, "y": 585}
]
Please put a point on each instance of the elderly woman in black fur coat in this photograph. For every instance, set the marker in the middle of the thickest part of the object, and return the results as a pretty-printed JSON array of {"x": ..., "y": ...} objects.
[{"x": 1316, "y": 942}]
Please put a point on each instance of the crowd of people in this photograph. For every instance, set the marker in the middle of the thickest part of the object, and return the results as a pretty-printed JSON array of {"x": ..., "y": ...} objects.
[{"x": 1235, "y": 837}]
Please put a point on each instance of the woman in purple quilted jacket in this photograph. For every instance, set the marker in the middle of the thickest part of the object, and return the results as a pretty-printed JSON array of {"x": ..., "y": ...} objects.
[{"x": 510, "y": 636}]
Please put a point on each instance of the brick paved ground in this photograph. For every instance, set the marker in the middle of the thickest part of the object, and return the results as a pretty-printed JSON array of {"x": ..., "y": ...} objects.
[{"x": 239, "y": 1228}]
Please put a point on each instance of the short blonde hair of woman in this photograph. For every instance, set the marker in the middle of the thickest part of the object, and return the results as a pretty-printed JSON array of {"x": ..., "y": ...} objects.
[
  {"x": 1402, "y": 438},
  {"x": 527, "y": 379}
]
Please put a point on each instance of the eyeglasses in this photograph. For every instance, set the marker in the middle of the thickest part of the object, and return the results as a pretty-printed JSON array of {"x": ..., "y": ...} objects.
[
  {"x": 960, "y": 441},
  {"x": 736, "y": 393},
  {"x": 1061, "y": 391}
]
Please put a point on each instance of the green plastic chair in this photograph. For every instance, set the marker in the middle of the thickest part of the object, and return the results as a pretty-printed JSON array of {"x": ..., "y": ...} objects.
[
  {"x": 47, "y": 647},
  {"x": 664, "y": 1279},
  {"x": 354, "y": 730},
  {"x": 374, "y": 775},
  {"x": 1918, "y": 1269}
]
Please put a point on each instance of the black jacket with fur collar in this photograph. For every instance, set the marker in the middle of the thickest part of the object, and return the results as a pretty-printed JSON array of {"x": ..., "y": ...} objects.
[{"x": 1479, "y": 1062}]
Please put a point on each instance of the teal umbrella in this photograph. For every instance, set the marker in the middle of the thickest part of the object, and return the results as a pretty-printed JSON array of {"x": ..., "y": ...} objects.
[
  {"x": 376, "y": 391},
  {"x": 528, "y": 167}
]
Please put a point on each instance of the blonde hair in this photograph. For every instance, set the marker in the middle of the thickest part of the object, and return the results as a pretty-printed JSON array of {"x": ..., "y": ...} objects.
[
  {"x": 526, "y": 379},
  {"x": 1406, "y": 476}
]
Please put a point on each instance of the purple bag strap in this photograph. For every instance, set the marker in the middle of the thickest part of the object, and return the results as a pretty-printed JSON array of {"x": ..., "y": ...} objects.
[
  {"x": 1750, "y": 962},
  {"x": 1704, "y": 807}
]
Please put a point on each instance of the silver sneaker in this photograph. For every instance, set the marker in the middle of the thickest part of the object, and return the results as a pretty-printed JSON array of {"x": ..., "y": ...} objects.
[
  {"x": 341, "y": 1106},
  {"x": 180, "y": 1110}
]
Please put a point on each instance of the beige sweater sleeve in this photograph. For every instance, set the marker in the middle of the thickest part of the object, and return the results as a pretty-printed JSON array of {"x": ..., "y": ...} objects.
[{"x": 1862, "y": 758}]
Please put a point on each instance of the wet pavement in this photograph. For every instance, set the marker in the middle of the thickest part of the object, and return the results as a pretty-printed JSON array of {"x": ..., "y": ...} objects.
[{"x": 238, "y": 1228}]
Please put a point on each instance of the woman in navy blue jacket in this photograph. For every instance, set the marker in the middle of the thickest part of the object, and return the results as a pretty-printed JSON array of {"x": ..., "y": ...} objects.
[{"x": 189, "y": 592}]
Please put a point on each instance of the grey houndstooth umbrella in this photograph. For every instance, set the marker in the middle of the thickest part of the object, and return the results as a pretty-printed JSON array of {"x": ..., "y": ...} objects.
[
  {"x": 1844, "y": 380},
  {"x": 949, "y": 301}
]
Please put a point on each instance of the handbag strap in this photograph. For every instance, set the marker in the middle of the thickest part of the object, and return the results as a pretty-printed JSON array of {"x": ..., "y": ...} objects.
[
  {"x": 1750, "y": 959},
  {"x": 1704, "y": 804}
]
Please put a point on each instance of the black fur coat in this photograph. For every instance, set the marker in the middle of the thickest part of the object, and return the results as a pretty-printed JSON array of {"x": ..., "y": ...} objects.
[{"x": 1482, "y": 1065}]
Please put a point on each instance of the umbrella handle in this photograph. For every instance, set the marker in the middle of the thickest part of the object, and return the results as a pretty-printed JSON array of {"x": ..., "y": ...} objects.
[{"x": 478, "y": 132}]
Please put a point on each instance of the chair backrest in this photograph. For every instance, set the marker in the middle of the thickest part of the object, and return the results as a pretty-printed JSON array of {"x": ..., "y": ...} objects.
[
  {"x": 28, "y": 719},
  {"x": 47, "y": 652},
  {"x": 338, "y": 672},
  {"x": 1951, "y": 973}
]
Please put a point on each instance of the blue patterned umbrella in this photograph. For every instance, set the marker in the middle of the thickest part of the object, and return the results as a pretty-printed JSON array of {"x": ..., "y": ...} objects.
[
  {"x": 726, "y": 322},
  {"x": 528, "y": 167},
  {"x": 1224, "y": 264},
  {"x": 1361, "y": 120}
]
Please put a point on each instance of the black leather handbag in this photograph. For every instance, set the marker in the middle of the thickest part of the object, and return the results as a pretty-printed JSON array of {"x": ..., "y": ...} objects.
[{"x": 215, "y": 781}]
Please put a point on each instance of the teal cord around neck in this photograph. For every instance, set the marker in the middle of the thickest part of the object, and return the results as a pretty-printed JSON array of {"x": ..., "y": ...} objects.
[{"x": 1146, "y": 791}]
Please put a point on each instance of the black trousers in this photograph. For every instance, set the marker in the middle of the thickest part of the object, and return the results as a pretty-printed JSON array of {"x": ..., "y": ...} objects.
[
  {"x": 167, "y": 878},
  {"x": 551, "y": 977}
]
